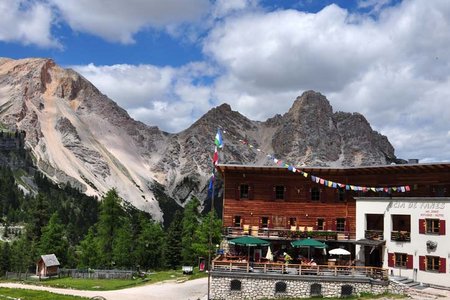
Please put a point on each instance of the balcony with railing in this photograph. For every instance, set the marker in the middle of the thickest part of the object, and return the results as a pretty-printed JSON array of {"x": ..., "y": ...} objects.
[
  {"x": 287, "y": 234},
  {"x": 273, "y": 268}
]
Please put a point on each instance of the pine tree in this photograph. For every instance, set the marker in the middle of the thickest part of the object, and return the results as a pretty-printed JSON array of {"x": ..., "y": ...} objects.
[
  {"x": 54, "y": 239},
  {"x": 5, "y": 263},
  {"x": 173, "y": 242},
  {"x": 150, "y": 242},
  {"x": 110, "y": 221},
  {"x": 123, "y": 245},
  {"x": 22, "y": 255},
  {"x": 39, "y": 217},
  {"x": 191, "y": 220},
  {"x": 89, "y": 251},
  {"x": 201, "y": 236}
]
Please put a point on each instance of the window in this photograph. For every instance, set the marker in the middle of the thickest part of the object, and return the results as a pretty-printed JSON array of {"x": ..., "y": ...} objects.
[
  {"x": 237, "y": 221},
  {"x": 320, "y": 224},
  {"x": 265, "y": 222},
  {"x": 401, "y": 260},
  {"x": 341, "y": 195},
  {"x": 280, "y": 287},
  {"x": 432, "y": 226},
  {"x": 346, "y": 290},
  {"x": 433, "y": 263},
  {"x": 316, "y": 290},
  {"x": 292, "y": 221},
  {"x": 401, "y": 223},
  {"x": 279, "y": 192},
  {"x": 340, "y": 224},
  {"x": 243, "y": 191},
  {"x": 315, "y": 194},
  {"x": 235, "y": 285}
]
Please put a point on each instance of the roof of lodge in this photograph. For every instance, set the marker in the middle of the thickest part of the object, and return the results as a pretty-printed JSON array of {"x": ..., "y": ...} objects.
[{"x": 380, "y": 169}]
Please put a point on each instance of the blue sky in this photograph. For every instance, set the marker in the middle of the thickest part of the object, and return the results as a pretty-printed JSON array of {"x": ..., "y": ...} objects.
[{"x": 168, "y": 62}]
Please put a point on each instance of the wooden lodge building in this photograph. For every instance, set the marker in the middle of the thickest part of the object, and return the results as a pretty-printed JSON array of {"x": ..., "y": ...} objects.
[{"x": 386, "y": 216}]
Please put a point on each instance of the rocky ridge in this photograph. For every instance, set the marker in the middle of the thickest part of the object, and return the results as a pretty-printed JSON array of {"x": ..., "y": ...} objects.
[{"x": 79, "y": 135}]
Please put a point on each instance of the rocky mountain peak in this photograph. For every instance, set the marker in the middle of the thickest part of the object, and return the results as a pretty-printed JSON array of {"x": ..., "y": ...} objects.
[
  {"x": 79, "y": 135},
  {"x": 310, "y": 102}
]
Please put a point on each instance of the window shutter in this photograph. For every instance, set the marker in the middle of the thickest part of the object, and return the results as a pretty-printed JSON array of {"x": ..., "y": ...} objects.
[
  {"x": 250, "y": 191},
  {"x": 409, "y": 262},
  {"x": 442, "y": 227},
  {"x": 391, "y": 260},
  {"x": 422, "y": 224},
  {"x": 442, "y": 265},
  {"x": 422, "y": 263},
  {"x": 237, "y": 194}
]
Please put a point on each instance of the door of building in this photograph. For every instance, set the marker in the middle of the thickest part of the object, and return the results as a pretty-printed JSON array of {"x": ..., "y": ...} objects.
[{"x": 372, "y": 256}]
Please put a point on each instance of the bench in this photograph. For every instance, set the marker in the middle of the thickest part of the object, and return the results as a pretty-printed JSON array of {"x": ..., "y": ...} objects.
[{"x": 187, "y": 270}]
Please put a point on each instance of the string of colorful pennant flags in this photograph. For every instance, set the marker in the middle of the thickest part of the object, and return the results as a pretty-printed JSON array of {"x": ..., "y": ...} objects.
[{"x": 316, "y": 179}]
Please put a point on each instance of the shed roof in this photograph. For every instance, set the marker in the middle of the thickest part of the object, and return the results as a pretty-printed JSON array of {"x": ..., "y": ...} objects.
[{"x": 50, "y": 260}]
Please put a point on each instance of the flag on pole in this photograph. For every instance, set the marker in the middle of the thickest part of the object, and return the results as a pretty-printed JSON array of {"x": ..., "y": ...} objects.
[
  {"x": 218, "y": 139},
  {"x": 216, "y": 157},
  {"x": 211, "y": 183}
]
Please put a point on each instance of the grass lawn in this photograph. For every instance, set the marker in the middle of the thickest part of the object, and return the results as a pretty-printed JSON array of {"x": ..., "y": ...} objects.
[
  {"x": 90, "y": 284},
  {"x": 6, "y": 293},
  {"x": 115, "y": 284}
]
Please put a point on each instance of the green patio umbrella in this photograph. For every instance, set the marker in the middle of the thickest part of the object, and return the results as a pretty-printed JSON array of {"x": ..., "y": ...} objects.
[
  {"x": 248, "y": 241},
  {"x": 310, "y": 243}
]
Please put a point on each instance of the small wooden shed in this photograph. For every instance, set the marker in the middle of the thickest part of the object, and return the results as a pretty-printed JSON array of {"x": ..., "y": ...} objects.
[{"x": 47, "y": 265}]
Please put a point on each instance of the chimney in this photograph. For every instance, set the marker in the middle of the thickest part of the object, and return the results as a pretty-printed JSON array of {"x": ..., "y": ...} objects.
[{"x": 413, "y": 161}]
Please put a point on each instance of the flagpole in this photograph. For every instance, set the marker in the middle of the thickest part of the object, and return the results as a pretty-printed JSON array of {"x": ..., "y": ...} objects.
[
  {"x": 210, "y": 233},
  {"x": 219, "y": 144}
]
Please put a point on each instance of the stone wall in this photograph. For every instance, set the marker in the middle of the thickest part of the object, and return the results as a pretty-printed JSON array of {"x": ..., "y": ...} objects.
[{"x": 263, "y": 286}]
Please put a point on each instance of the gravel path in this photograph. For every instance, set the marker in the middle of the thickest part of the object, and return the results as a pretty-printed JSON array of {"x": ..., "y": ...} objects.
[{"x": 188, "y": 290}]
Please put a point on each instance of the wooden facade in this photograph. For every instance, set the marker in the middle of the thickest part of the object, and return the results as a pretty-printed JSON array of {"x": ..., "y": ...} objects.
[{"x": 273, "y": 198}]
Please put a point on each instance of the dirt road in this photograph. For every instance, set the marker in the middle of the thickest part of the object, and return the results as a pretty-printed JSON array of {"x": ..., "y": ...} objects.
[{"x": 189, "y": 290}]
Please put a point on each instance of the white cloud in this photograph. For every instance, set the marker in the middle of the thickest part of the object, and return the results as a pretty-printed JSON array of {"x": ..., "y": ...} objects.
[
  {"x": 26, "y": 22},
  {"x": 395, "y": 69},
  {"x": 163, "y": 96},
  {"x": 118, "y": 21}
]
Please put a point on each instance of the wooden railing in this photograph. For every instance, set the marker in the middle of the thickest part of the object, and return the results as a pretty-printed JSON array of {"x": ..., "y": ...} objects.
[
  {"x": 298, "y": 269},
  {"x": 282, "y": 233}
]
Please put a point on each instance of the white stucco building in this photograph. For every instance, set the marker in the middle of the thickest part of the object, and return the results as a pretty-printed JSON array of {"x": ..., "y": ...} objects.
[{"x": 408, "y": 235}]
